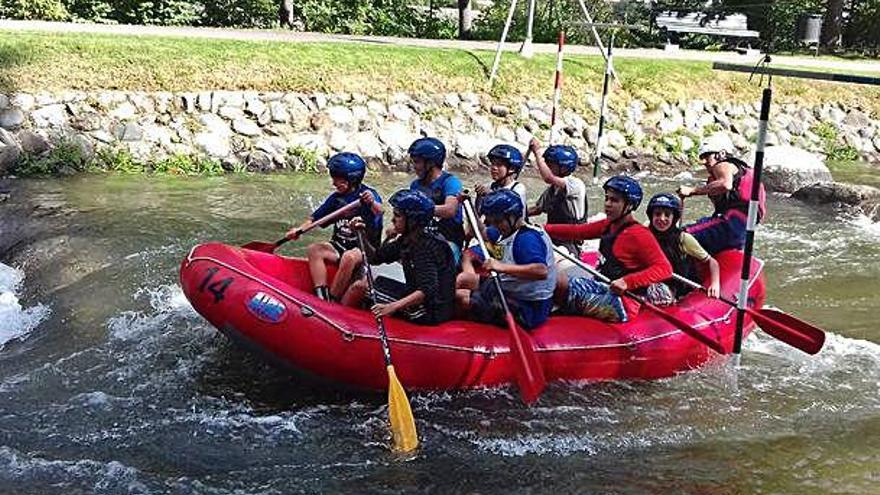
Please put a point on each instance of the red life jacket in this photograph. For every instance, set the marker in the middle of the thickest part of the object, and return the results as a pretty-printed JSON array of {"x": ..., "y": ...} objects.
[{"x": 741, "y": 193}]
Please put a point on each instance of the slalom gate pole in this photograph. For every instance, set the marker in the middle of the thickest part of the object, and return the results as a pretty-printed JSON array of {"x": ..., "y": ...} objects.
[{"x": 557, "y": 87}]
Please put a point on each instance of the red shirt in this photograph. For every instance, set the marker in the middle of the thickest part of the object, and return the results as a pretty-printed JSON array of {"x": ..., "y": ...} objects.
[{"x": 636, "y": 248}]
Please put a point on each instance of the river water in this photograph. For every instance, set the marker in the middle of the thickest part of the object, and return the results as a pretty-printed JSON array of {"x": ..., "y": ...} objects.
[{"x": 110, "y": 383}]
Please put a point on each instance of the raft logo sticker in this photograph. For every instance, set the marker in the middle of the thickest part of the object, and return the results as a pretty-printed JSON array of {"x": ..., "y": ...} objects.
[{"x": 267, "y": 308}]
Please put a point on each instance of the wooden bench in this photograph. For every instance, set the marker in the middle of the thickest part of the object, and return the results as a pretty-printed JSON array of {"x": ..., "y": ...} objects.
[{"x": 729, "y": 26}]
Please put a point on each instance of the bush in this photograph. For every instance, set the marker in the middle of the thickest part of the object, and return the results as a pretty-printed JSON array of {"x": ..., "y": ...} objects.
[
  {"x": 65, "y": 158},
  {"x": 46, "y": 10},
  {"x": 831, "y": 144}
]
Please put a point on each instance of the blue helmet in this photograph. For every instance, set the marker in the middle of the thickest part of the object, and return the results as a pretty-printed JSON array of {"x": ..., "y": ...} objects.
[
  {"x": 509, "y": 155},
  {"x": 627, "y": 186},
  {"x": 349, "y": 166},
  {"x": 414, "y": 205},
  {"x": 665, "y": 200},
  {"x": 429, "y": 149},
  {"x": 565, "y": 156},
  {"x": 502, "y": 202}
]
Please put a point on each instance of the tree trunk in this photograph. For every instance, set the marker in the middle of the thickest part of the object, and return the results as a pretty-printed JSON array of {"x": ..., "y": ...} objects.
[
  {"x": 285, "y": 13},
  {"x": 465, "y": 19},
  {"x": 832, "y": 26}
]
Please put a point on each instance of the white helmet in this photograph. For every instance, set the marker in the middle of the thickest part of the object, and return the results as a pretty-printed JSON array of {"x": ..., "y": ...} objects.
[{"x": 715, "y": 143}]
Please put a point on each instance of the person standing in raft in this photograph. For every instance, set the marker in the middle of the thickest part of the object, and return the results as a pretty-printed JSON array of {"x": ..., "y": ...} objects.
[
  {"x": 428, "y": 295},
  {"x": 428, "y": 156},
  {"x": 565, "y": 199},
  {"x": 526, "y": 268},
  {"x": 631, "y": 257},
  {"x": 347, "y": 171},
  {"x": 680, "y": 248},
  {"x": 729, "y": 187},
  {"x": 505, "y": 164}
]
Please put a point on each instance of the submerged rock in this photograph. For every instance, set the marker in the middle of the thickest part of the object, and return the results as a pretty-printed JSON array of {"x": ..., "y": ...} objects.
[{"x": 866, "y": 199}]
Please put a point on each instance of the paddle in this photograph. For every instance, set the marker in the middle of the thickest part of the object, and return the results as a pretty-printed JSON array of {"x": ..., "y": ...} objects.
[
  {"x": 529, "y": 374},
  {"x": 403, "y": 425},
  {"x": 270, "y": 247},
  {"x": 787, "y": 328},
  {"x": 680, "y": 324}
]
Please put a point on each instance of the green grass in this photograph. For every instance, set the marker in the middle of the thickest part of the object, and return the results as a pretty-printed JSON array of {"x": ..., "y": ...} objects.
[{"x": 39, "y": 61}]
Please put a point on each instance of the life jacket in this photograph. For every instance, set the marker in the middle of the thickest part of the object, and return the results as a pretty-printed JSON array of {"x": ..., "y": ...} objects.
[
  {"x": 559, "y": 210},
  {"x": 528, "y": 290},
  {"x": 670, "y": 243},
  {"x": 450, "y": 228},
  {"x": 611, "y": 267},
  {"x": 741, "y": 193},
  {"x": 344, "y": 237}
]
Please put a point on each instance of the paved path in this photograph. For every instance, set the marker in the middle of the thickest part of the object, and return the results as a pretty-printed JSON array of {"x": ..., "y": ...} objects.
[{"x": 304, "y": 37}]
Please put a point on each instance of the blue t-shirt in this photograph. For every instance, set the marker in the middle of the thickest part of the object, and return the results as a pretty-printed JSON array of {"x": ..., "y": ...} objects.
[
  {"x": 342, "y": 235},
  {"x": 441, "y": 188}
]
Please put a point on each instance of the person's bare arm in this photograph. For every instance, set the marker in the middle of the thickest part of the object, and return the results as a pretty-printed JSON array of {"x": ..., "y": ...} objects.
[
  {"x": 723, "y": 172},
  {"x": 448, "y": 209},
  {"x": 545, "y": 172}
]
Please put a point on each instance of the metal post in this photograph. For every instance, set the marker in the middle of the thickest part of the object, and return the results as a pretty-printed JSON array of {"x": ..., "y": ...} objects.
[
  {"x": 501, "y": 42},
  {"x": 526, "y": 48}
]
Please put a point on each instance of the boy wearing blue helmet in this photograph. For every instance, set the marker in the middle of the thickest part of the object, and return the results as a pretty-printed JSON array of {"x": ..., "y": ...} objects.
[
  {"x": 347, "y": 171},
  {"x": 631, "y": 257},
  {"x": 427, "y": 296},
  {"x": 680, "y": 248},
  {"x": 565, "y": 199},
  {"x": 526, "y": 268},
  {"x": 505, "y": 164},
  {"x": 428, "y": 156}
]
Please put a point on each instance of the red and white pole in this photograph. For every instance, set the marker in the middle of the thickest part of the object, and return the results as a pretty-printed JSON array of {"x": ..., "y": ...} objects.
[{"x": 557, "y": 88}]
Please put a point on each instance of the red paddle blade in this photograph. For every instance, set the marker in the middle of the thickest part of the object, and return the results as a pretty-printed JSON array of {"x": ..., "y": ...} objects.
[
  {"x": 790, "y": 330},
  {"x": 529, "y": 373},
  {"x": 265, "y": 247}
]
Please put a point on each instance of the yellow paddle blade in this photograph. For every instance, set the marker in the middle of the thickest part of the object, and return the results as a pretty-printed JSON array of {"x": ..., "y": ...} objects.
[{"x": 403, "y": 425}]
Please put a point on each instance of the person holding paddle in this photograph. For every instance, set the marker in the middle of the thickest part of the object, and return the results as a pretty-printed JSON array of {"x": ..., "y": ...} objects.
[
  {"x": 729, "y": 187},
  {"x": 427, "y": 295},
  {"x": 526, "y": 269},
  {"x": 428, "y": 156},
  {"x": 680, "y": 248},
  {"x": 631, "y": 257},
  {"x": 347, "y": 171}
]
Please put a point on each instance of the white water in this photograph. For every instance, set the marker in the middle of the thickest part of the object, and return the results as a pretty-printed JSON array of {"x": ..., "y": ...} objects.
[{"x": 16, "y": 321}]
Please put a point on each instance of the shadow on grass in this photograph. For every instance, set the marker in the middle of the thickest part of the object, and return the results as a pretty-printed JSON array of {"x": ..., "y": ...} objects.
[
  {"x": 11, "y": 56},
  {"x": 483, "y": 66}
]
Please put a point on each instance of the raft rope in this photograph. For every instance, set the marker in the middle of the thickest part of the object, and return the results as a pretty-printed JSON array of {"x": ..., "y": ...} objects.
[{"x": 349, "y": 335}]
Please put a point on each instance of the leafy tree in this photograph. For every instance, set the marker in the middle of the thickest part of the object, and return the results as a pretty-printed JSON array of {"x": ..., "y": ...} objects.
[{"x": 49, "y": 10}]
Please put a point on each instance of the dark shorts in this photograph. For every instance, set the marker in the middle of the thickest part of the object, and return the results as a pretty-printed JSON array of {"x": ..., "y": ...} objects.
[
  {"x": 486, "y": 307},
  {"x": 389, "y": 290}
]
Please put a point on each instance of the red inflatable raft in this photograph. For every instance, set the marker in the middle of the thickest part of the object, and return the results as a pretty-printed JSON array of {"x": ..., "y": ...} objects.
[{"x": 264, "y": 301}]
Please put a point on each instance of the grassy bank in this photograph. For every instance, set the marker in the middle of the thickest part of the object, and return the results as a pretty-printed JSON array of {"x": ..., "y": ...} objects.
[{"x": 39, "y": 61}]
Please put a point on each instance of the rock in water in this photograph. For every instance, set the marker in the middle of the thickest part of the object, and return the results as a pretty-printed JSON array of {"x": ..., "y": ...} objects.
[{"x": 787, "y": 168}]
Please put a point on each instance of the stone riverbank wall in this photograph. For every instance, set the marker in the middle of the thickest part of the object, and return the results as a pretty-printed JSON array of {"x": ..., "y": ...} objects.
[{"x": 270, "y": 131}]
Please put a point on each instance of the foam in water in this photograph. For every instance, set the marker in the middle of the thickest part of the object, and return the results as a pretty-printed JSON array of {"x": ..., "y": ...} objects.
[
  {"x": 867, "y": 225},
  {"x": 166, "y": 301},
  {"x": 15, "y": 321}
]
